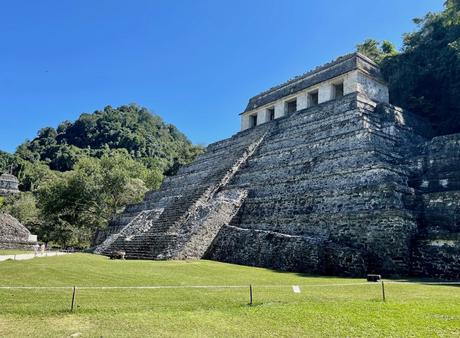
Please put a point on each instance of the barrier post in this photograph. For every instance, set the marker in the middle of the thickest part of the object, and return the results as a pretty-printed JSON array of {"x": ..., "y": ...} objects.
[
  {"x": 73, "y": 299},
  {"x": 383, "y": 291},
  {"x": 250, "y": 294}
]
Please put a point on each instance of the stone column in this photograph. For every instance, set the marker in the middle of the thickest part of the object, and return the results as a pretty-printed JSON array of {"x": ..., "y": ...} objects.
[
  {"x": 302, "y": 101},
  {"x": 350, "y": 83},
  {"x": 244, "y": 122},
  {"x": 279, "y": 109},
  {"x": 263, "y": 116},
  {"x": 325, "y": 92}
]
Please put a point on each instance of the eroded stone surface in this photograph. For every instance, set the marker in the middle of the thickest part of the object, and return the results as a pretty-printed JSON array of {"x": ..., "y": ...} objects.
[
  {"x": 349, "y": 186},
  {"x": 13, "y": 235},
  {"x": 8, "y": 185}
]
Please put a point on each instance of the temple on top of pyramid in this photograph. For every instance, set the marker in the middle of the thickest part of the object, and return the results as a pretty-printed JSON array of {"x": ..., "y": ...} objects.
[{"x": 348, "y": 74}]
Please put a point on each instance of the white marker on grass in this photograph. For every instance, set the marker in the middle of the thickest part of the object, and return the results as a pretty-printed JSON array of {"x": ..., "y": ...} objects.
[{"x": 296, "y": 288}]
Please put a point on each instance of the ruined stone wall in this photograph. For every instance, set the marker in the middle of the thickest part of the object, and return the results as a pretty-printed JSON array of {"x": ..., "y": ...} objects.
[
  {"x": 376, "y": 91},
  {"x": 8, "y": 185},
  {"x": 322, "y": 74},
  {"x": 13, "y": 235},
  {"x": 436, "y": 181}
]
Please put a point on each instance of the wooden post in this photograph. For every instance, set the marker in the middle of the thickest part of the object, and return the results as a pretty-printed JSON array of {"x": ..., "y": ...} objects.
[
  {"x": 73, "y": 299},
  {"x": 250, "y": 294},
  {"x": 383, "y": 291}
]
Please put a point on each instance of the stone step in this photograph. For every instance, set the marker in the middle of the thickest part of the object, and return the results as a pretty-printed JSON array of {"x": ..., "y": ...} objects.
[{"x": 186, "y": 213}]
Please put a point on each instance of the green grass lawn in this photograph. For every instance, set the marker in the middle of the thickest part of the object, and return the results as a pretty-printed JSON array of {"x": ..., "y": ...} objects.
[
  {"x": 15, "y": 252},
  {"x": 319, "y": 311}
]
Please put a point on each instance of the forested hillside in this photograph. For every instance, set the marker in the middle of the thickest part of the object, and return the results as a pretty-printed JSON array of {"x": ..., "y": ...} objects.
[
  {"x": 424, "y": 76},
  {"x": 76, "y": 177},
  {"x": 146, "y": 137}
]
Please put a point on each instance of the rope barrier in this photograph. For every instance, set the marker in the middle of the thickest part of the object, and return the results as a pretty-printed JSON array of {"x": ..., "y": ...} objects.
[
  {"x": 422, "y": 283},
  {"x": 225, "y": 286}
]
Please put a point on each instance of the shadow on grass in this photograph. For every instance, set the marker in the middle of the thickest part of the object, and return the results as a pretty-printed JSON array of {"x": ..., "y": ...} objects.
[{"x": 394, "y": 278}]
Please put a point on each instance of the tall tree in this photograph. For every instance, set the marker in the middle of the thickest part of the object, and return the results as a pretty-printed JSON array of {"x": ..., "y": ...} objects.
[
  {"x": 78, "y": 202},
  {"x": 377, "y": 51},
  {"x": 425, "y": 76}
]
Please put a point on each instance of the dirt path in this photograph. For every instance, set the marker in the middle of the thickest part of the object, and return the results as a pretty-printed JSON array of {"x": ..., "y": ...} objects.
[{"x": 22, "y": 257}]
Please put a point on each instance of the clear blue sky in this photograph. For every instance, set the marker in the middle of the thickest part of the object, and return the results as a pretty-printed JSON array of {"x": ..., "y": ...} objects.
[{"x": 193, "y": 62}]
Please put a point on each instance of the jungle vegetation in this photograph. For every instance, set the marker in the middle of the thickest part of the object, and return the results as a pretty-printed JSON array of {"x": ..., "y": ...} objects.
[
  {"x": 75, "y": 177},
  {"x": 424, "y": 76}
]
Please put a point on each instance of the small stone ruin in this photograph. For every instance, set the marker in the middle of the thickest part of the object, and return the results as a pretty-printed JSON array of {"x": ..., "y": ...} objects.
[
  {"x": 14, "y": 235},
  {"x": 8, "y": 185}
]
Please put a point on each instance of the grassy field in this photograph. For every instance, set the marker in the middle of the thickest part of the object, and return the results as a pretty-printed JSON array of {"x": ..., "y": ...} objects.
[{"x": 318, "y": 311}]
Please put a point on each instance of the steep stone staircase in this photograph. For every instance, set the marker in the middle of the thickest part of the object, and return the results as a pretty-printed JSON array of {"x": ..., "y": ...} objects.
[
  {"x": 138, "y": 225},
  {"x": 183, "y": 217}
]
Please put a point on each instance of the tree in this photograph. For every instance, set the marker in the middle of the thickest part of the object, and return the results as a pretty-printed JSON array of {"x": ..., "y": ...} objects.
[
  {"x": 7, "y": 162},
  {"x": 80, "y": 201},
  {"x": 376, "y": 51},
  {"x": 82, "y": 173},
  {"x": 129, "y": 127},
  {"x": 22, "y": 206},
  {"x": 32, "y": 175},
  {"x": 425, "y": 76}
]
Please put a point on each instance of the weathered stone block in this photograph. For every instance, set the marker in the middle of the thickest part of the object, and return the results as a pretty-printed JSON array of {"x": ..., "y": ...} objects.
[{"x": 349, "y": 186}]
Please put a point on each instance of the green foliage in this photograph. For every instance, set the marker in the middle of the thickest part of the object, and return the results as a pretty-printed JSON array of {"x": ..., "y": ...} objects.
[
  {"x": 82, "y": 173},
  {"x": 22, "y": 206},
  {"x": 142, "y": 134},
  {"x": 376, "y": 51},
  {"x": 388, "y": 48},
  {"x": 30, "y": 174},
  {"x": 7, "y": 162},
  {"x": 78, "y": 202},
  {"x": 425, "y": 76},
  {"x": 153, "y": 179}
]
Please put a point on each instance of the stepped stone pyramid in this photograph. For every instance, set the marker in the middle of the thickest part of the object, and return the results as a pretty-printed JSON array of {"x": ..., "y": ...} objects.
[{"x": 325, "y": 177}]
